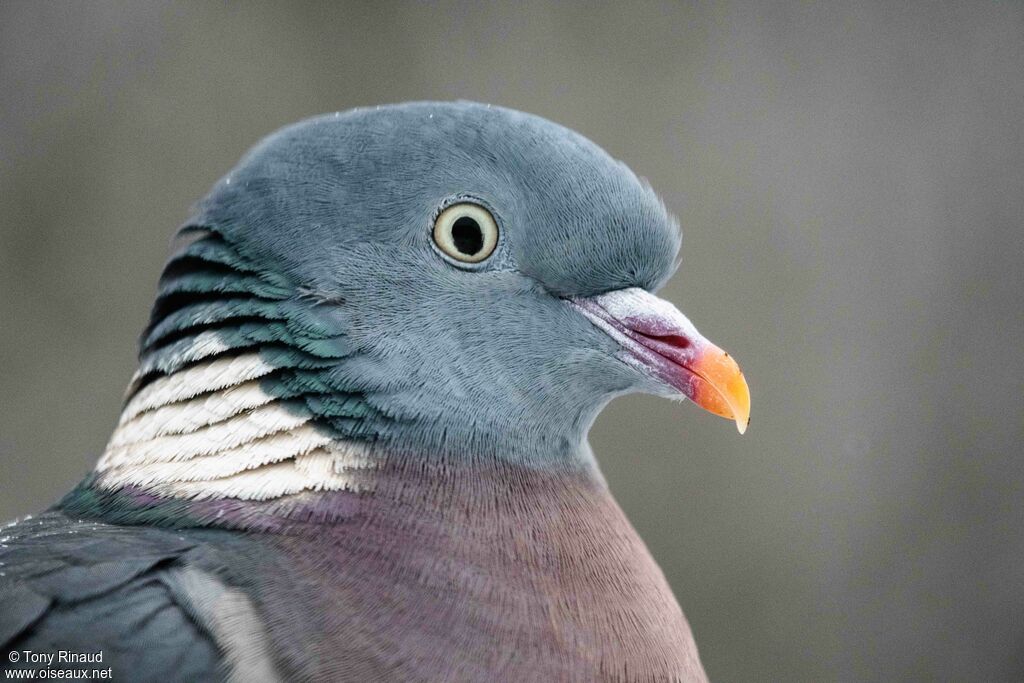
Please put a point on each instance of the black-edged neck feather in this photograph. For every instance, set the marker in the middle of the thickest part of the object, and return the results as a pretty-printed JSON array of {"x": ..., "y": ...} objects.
[{"x": 236, "y": 394}]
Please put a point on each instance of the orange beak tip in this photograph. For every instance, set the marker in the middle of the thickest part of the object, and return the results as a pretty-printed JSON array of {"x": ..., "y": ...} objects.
[
  {"x": 721, "y": 387},
  {"x": 742, "y": 427}
]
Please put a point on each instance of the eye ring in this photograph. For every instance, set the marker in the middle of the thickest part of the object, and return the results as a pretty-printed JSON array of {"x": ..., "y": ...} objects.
[{"x": 466, "y": 232}]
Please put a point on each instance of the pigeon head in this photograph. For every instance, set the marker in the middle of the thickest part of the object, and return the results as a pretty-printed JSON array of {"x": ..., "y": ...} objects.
[{"x": 433, "y": 277}]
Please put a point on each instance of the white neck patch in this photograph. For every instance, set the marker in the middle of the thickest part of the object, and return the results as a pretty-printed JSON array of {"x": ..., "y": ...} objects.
[{"x": 211, "y": 431}]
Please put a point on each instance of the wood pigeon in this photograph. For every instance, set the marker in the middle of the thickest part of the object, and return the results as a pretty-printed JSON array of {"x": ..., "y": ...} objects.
[{"x": 355, "y": 447}]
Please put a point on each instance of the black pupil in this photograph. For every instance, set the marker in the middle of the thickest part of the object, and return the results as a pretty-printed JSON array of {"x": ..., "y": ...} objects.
[{"x": 467, "y": 236}]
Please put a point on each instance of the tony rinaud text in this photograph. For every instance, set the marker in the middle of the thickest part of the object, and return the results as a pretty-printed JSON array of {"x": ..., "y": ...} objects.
[{"x": 58, "y": 657}]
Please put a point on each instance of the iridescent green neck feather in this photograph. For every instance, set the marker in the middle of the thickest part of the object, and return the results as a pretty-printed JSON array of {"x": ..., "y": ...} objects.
[{"x": 234, "y": 396}]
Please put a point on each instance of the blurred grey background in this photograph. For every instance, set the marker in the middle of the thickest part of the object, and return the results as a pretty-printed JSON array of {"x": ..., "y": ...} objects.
[{"x": 850, "y": 181}]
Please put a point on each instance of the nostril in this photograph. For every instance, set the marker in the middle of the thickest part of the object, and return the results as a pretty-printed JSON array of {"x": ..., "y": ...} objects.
[{"x": 676, "y": 340}]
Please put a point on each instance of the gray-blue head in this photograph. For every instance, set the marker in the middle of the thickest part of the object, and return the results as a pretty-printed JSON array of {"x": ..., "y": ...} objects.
[{"x": 433, "y": 277}]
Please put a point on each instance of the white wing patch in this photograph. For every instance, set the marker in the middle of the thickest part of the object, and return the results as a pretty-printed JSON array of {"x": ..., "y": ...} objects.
[
  {"x": 232, "y": 619},
  {"x": 211, "y": 431}
]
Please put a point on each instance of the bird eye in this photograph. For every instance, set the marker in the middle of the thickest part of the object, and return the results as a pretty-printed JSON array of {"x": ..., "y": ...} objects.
[{"x": 466, "y": 232}]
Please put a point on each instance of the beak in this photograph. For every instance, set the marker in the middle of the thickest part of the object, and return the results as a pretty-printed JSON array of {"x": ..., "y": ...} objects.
[{"x": 660, "y": 341}]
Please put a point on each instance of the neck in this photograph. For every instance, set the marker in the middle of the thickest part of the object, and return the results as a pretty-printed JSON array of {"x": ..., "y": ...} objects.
[
  {"x": 232, "y": 398},
  {"x": 218, "y": 443},
  {"x": 224, "y": 428},
  {"x": 291, "y": 496},
  {"x": 215, "y": 430},
  {"x": 247, "y": 395}
]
